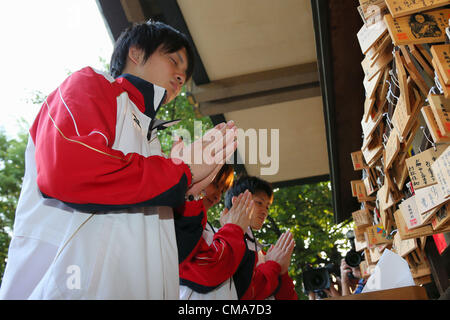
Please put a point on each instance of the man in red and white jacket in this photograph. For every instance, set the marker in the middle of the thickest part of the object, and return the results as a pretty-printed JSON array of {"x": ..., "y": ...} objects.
[
  {"x": 248, "y": 273},
  {"x": 204, "y": 274},
  {"x": 262, "y": 276},
  {"x": 94, "y": 218}
]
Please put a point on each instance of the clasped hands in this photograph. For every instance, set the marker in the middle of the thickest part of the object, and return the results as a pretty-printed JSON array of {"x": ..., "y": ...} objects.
[{"x": 206, "y": 155}]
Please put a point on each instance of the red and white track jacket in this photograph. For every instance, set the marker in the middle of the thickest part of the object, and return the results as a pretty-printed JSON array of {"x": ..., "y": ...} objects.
[
  {"x": 224, "y": 265},
  {"x": 92, "y": 137},
  {"x": 257, "y": 279},
  {"x": 97, "y": 197},
  {"x": 213, "y": 258}
]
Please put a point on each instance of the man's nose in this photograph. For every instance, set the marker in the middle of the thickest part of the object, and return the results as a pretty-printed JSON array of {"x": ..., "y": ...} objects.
[{"x": 180, "y": 79}]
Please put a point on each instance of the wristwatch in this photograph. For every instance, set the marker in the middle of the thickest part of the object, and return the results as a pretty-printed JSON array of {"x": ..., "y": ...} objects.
[{"x": 191, "y": 197}]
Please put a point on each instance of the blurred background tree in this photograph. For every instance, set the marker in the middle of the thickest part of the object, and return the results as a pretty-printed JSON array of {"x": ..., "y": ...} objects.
[
  {"x": 12, "y": 164},
  {"x": 306, "y": 211}
]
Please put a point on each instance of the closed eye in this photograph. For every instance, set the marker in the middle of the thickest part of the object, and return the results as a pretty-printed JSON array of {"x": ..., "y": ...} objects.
[{"x": 173, "y": 60}]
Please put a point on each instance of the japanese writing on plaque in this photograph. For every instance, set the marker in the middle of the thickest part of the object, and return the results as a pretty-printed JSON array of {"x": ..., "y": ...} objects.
[
  {"x": 418, "y": 27},
  {"x": 428, "y": 198},
  {"x": 441, "y": 58},
  {"x": 420, "y": 167},
  {"x": 400, "y": 8},
  {"x": 409, "y": 211},
  {"x": 441, "y": 167}
]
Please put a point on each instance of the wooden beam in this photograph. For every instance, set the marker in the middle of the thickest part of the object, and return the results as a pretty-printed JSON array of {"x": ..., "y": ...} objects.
[
  {"x": 133, "y": 10},
  {"x": 114, "y": 15},
  {"x": 340, "y": 77},
  {"x": 260, "y": 99},
  {"x": 257, "y": 82},
  {"x": 301, "y": 181},
  {"x": 174, "y": 17}
]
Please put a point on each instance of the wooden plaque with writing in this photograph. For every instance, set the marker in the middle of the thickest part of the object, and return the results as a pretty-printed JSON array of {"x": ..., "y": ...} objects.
[
  {"x": 420, "y": 27},
  {"x": 441, "y": 169},
  {"x": 441, "y": 55},
  {"x": 419, "y": 167},
  {"x": 369, "y": 35},
  {"x": 433, "y": 127},
  {"x": 400, "y": 8},
  {"x": 442, "y": 217},
  {"x": 441, "y": 111},
  {"x": 358, "y": 160}
]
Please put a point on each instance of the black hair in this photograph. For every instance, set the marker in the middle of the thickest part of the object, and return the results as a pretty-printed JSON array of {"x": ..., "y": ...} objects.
[
  {"x": 253, "y": 184},
  {"x": 148, "y": 36}
]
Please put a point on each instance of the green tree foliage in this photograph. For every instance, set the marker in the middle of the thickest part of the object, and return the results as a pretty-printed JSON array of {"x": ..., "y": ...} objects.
[
  {"x": 180, "y": 109},
  {"x": 12, "y": 164},
  {"x": 306, "y": 211}
]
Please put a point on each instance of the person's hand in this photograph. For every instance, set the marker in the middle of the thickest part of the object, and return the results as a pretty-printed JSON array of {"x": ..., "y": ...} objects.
[
  {"x": 345, "y": 270},
  {"x": 281, "y": 252},
  {"x": 332, "y": 292},
  {"x": 204, "y": 154},
  {"x": 311, "y": 295},
  {"x": 198, "y": 187},
  {"x": 240, "y": 212},
  {"x": 356, "y": 271}
]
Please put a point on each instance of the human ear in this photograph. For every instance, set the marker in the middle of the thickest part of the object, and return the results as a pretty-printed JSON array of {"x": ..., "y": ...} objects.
[{"x": 135, "y": 55}]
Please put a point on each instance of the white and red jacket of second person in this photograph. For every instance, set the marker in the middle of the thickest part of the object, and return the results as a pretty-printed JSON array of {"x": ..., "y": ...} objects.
[
  {"x": 95, "y": 215},
  {"x": 225, "y": 264}
]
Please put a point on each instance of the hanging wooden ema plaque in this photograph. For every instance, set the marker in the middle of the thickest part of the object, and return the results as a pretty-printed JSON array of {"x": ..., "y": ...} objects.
[
  {"x": 400, "y": 8},
  {"x": 441, "y": 169},
  {"x": 407, "y": 233},
  {"x": 440, "y": 79},
  {"x": 371, "y": 11},
  {"x": 362, "y": 218},
  {"x": 377, "y": 235},
  {"x": 404, "y": 247},
  {"x": 402, "y": 81},
  {"x": 368, "y": 107},
  {"x": 358, "y": 160},
  {"x": 442, "y": 217},
  {"x": 432, "y": 125},
  {"x": 372, "y": 68},
  {"x": 414, "y": 73},
  {"x": 441, "y": 55},
  {"x": 421, "y": 231},
  {"x": 440, "y": 106},
  {"x": 359, "y": 191},
  {"x": 411, "y": 216},
  {"x": 419, "y": 167},
  {"x": 429, "y": 200},
  {"x": 400, "y": 119},
  {"x": 419, "y": 27},
  {"x": 422, "y": 60},
  {"x": 369, "y": 35},
  {"x": 392, "y": 149}
]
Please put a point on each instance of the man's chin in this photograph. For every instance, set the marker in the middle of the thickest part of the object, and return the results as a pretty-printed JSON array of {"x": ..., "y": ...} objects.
[
  {"x": 256, "y": 226},
  {"x": 167, "y": 99}
]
